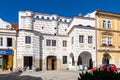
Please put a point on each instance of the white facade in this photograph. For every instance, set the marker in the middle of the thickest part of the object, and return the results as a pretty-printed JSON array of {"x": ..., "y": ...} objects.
[
  {"x": 47, "y": 33},
  {"x": 7, "y": 46}
]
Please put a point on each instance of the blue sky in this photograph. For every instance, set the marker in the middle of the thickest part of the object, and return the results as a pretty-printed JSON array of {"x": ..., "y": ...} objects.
[{"x": 69, "y": 8}]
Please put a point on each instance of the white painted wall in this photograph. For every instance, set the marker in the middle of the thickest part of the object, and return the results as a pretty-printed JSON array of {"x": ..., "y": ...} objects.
[
  {"x": 81, "y": 21},
  {"x": 47, "y": 30}
]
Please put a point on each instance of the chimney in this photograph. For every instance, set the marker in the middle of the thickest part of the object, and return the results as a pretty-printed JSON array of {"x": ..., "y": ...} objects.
[{"x": 80, "y": 14}]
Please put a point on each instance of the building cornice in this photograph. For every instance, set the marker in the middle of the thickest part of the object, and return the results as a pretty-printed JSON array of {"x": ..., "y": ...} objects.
[
  {"x": 100, "y": 50},
  {"x": 107, "y": 30},
  {"x": 44, "y": 34},
  {"x": 81, "y": 17},
  {"x": 81, "y": 26},
  {"x": 107, "y": 13}
]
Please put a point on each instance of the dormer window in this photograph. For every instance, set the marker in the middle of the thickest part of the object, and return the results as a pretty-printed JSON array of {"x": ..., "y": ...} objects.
[
  {"x": 60, "y": 20},
  {"x": 42, "y": 17},
  {"x": 53, "y": 18},
  {"x": 48, "y": 18},
  {"x": 65, "y": 20},
  {"x": 37, "y": 17}
]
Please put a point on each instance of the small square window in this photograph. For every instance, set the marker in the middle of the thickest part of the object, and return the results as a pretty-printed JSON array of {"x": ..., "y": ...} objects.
[{"x": 27, "y": 39}]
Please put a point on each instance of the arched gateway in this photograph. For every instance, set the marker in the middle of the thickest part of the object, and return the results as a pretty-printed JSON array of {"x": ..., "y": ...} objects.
[
  {"x": 51, "y": 63},
  {"x": 106, "y": 58},
  {"x": 85, "y": 59}
]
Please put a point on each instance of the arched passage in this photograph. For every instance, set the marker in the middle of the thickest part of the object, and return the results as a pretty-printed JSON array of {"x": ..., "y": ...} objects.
[
  {"x": 85, "y": 59},
  {"x": 51, "y": 63},
  {"x": 106, "y": 58}
]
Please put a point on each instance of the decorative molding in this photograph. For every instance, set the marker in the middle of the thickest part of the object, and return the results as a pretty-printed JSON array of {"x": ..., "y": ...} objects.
[
  {"x": 101, "y": 50},
  {"x": 103, "y": 45},
  {"x": 107, "y": 33}
]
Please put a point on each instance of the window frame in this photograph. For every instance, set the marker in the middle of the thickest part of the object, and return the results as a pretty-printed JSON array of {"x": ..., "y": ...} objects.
[
  {"x": 64, "y": 43},
  {"x": 90, "y": 41},
  {"x": 8, "y": 42},
  {"x": 103, "y": 24},
  {"x": 109, "y": 24},
  {"x": 1, "y": 41},
  {"x": 64, "y": 59},
  {"x": 53, "y": 42},
  {"x": 109, "y": 40},
  {"x": 72, "y": 40},
  {"x": 104, "y": 40},
  {"x": 81, "y": 38},
  {"x": 27, "y": 39},
  {"x": 48, "y": 42}
]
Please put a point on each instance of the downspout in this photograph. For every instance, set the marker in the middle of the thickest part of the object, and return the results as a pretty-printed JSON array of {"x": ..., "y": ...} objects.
[
  {"x": 17, "y": 31},
  {"x": 96, "y": 37}
]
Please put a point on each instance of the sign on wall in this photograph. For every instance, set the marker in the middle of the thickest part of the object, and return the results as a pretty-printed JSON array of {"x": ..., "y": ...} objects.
[{"x": 5, "y": 51}]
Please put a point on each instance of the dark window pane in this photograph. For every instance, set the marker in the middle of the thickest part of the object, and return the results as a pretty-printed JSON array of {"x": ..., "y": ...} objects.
[
  {"x": 64, "y": 59},
  {"x": 9, "y": 42}
]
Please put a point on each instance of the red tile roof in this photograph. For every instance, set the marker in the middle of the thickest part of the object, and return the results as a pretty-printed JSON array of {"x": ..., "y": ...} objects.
[{"x": 14, "y": 25}]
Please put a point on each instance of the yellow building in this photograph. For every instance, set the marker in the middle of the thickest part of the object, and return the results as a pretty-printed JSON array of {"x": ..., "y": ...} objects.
[{"x": 108, "y": 37}]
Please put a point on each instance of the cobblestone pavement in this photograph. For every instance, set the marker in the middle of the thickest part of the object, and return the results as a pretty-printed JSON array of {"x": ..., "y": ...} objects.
[{"x": 41, "y": 75}]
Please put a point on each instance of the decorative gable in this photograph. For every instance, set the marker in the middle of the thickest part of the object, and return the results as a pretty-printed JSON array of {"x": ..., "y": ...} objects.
[{"x": 4, "y": 24}]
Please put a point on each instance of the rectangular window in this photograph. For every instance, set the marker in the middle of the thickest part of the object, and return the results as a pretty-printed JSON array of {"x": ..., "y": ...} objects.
[
  {"x": 109, "y": 40},
  {"x": 72, "y": 40},
  {"x": 104, "y": 24},
  {"x": 90, "y": 39},
  {"x": 9, "y": 42},
  {"x": 1, "y": 41},
  {"x": 109, "y": 24},
  {"x": 48, "y": 42},
  {"x": 53, "y": 42},
  {"x": 103, "y": 40},
  {"x": 27, "y": 39},
  {"x": 81, "y": 39},
  {"x": 64, "y": 43},
  {"x": 64, "y": 59}
]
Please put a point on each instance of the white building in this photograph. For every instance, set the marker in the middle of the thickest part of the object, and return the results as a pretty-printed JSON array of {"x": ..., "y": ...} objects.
[
  {"x": 7, "y": 45},
  {"x": 52, "y": 42},
  {"x": 82, "y": 45}
]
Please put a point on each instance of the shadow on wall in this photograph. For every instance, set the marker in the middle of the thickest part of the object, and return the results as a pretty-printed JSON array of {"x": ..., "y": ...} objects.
[{"x": 16, "y": 76}]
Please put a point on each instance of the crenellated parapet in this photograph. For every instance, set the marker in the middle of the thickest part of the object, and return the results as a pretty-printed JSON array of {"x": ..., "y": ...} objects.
[{"x": 44, "y": 23}]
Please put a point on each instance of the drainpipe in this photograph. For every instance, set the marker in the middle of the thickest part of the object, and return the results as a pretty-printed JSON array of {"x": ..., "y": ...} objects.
[
  {"x": 16, "y": 50},
  {"x": 96, "y": 37}
]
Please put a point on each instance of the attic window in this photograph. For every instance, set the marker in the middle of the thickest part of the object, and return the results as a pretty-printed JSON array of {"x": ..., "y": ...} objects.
[
  {"x": 37, "y": 17},
  {"x": 48, "y": 18},
  {"x": 65, "y": 21},
  {"x": 60, "y": 20},
  {"x": 53, "y": 18},
  {"x": 42, "y": 17}
]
